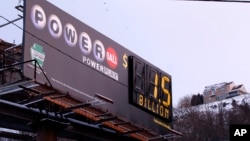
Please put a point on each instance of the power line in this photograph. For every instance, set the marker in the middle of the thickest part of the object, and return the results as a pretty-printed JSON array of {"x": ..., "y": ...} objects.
[
  {"x": 234, "y": 1},
  {"x": 11, "y": 21}
]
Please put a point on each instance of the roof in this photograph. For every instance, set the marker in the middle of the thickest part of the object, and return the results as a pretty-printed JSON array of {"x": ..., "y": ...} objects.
[
  {"x": 216, "y": 86},
  {"x": 237, "y": 87},
  {"x": 5, "y": 44}
]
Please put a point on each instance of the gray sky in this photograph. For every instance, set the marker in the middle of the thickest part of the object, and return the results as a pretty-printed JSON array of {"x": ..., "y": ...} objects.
[{"x": 198, "y": 43}]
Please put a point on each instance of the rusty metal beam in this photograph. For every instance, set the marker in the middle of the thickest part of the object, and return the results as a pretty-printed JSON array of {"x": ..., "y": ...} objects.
[
  {"x": 132, "y": 132},
  {"x": 106, "y": 119},
  {"x": 104, "y": 114},
  {"x": 121, "y": 123},
  {"x": 99, "y": 96},
  {"x": 59, "y": 96},
  {"x": 76, "y": 106}
]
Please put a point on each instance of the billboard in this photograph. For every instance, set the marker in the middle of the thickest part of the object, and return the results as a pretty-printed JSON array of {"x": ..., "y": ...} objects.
[{"x": 83, "y": 62}]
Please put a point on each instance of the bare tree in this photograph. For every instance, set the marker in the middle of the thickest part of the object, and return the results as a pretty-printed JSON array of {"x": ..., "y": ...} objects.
[
  {"x": 184, "y": 102},
  {"x": 212, "y": 123}
]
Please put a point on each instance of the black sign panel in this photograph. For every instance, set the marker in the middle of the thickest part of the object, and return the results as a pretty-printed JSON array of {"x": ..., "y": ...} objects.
[
  {"x": 150, "y": 89},
  {"x": 83, "y": 62}
]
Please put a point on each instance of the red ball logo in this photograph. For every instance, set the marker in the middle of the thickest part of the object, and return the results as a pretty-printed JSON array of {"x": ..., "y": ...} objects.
[{"x": 112, "y": 58}]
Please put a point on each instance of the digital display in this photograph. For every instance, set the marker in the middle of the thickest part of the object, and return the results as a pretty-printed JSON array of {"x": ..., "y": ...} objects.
[{"x": 150, "y": 89}]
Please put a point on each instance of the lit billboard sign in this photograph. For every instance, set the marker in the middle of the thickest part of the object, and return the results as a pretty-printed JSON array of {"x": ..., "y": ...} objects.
[{"x": 83, "y": 62}]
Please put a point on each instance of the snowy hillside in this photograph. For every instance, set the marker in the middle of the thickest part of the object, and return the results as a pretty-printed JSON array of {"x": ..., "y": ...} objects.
[{"x": 225, "y": 104}]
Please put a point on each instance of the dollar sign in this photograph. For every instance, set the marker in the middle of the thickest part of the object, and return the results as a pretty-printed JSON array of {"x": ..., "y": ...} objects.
[{"x": 125, "y": 61}]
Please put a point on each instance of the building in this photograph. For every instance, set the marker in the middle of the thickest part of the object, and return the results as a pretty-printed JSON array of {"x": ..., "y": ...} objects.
[
  {"x": 222, "y": 91},
  {"x": 10, "y": 54}
]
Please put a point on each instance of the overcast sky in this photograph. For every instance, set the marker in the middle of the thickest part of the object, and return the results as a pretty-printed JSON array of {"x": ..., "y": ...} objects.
[{"x": 197, "y": 43}]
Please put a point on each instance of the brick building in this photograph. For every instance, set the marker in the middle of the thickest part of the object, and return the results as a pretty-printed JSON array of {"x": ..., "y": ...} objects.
[
  {"x": 10, "y": 54},
  {"x": 222, "y": 91}
]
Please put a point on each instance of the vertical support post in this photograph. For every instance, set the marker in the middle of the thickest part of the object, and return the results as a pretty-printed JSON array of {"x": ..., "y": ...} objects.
[
  {"x": 46, "y": 133},
  {"x": 3, "y": 64},
  {"x": 47, "y": 129},
  {"x": 35, "y": 69}
]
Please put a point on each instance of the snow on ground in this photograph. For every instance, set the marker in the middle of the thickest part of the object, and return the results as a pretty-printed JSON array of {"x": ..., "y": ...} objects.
[{"x": 225, "y": 104}]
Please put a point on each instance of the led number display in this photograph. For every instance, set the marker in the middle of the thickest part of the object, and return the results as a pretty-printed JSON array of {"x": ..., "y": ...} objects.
[{"x": 150, "y": 89}]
